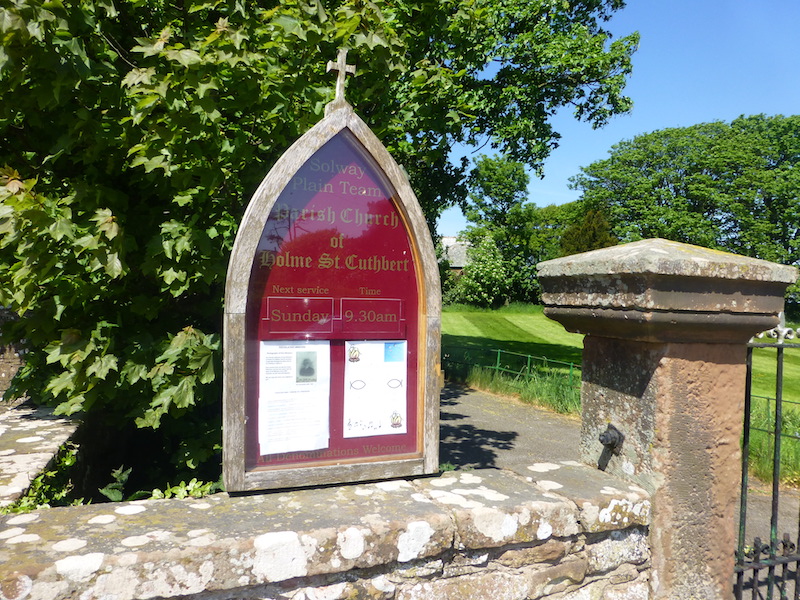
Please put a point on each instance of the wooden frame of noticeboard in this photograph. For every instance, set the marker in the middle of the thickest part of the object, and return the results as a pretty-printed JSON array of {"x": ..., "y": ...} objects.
[{"x": 412, "y": 325}]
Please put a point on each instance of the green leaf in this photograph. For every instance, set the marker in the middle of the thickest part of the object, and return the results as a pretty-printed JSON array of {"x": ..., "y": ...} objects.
[
  {"x": 148, "y": 47},
  {"x": 204, "y": 87},
  {"x": 102, "y": 365},
  {"x": 88, "y": 242},
  {"x": 64, "y": 381},
  {"x": 73, "y": 405},
  {"x": 139, "y": 76},
  {"x": 183, "y": 393},
  {"x": 106, "y": 222},
  {"x": 113, "y": 491},
  {"x": 151, "y": 163},
  {"x": 113, "y": 494},
  {"x": 202, "y": 363},
  {"x": 9, "y": 21},
  {"x": 113, "y": 266},
  {"x": 172, "y": 275},
  {"x": 186, "y": 57},
  {"x": 160, "y": 372},
  {"x": 134, "y": 371},
  {"x": 291, "y": 26},
  {"x": 148, "y": 101}
]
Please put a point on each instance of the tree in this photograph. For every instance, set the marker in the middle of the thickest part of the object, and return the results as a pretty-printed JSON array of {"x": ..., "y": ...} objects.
[
  {"x": 592, "y": 232},
  {"x": 485, "y": 280},
  {"x": 132, "y": 134},
  {"x": 548, "y": 226},
  {"x": 495, "y": 207},
  {"x": 730, "y": 186},
  {"x": 524, "y": 233}
]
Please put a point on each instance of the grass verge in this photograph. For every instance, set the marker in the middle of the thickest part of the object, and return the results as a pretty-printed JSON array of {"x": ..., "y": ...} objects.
[
  {"x": 514, "y": 350},
  {"x": 550, "y": 390}
]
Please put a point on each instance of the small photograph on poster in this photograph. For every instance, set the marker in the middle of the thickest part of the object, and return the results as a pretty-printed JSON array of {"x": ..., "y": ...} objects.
[
  {"x": 306, "y": 367},
  {"x": 375, "y": 388},
  {"x": 294, "y": 396}
]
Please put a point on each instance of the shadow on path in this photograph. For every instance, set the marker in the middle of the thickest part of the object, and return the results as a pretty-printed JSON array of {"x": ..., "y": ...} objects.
[
  {"x": 468, "y": 447},
  {"x": 463, "y": 443},
  {"x": 483, "y": 431}
]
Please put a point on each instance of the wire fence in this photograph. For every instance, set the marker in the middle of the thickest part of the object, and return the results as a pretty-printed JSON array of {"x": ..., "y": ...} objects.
[{"x": 459, "y": 360}]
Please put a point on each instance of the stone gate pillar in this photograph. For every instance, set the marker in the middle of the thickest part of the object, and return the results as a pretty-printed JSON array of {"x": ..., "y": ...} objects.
[{"x": 666, "y": 329}]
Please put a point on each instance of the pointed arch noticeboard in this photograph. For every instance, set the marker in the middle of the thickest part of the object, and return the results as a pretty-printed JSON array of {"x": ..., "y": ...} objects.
[{"x": 332, "y": 320}]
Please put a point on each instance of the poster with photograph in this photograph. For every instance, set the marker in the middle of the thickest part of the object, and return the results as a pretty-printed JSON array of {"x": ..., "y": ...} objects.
[
  {"x": 294, "y": 396},
  {"x": 376, "y": 388}
]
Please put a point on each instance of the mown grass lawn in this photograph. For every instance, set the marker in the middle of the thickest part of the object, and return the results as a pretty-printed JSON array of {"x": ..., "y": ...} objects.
[
  {"x": 514, "y": 350},
  {"x": 764, "y": 373},
  {"x": 520, "y": 328}
]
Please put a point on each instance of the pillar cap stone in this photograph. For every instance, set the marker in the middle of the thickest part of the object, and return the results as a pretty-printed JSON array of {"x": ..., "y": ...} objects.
[{"x": 659, "y": 290}]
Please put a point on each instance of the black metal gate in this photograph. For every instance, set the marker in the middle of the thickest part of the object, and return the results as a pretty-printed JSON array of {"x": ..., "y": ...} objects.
[{"x": 767, "y": 566}]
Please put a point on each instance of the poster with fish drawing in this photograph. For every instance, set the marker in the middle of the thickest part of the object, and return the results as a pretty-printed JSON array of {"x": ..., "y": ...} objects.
[{"x": 376, "y": 388}]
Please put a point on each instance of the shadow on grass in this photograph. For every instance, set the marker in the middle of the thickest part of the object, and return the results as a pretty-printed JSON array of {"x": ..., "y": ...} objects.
[{"x": 465, "y": 445}]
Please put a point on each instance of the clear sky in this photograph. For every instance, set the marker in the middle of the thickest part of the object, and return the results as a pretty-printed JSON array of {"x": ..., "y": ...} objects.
[{"x": 698, "y": 61}]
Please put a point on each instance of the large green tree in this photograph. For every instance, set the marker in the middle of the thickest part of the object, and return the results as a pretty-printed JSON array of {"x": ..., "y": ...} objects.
[
  {"x": 548, "y": 225},
  {"x": 133, "y": 132},
  {"x": 495, "y": 208},
  {"x": 731, "y": 186}
]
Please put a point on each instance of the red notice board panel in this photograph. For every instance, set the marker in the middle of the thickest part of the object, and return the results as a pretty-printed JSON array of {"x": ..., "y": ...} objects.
[{"x": 332, "y": 320}]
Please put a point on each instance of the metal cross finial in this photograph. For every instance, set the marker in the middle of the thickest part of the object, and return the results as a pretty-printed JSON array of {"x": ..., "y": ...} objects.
[{"x": 343, "y": 68}]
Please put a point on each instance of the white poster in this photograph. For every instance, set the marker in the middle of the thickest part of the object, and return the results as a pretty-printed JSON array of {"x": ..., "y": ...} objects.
[
  {"x": 294, "y": 396},
  {"x": 375, "y": 388}
]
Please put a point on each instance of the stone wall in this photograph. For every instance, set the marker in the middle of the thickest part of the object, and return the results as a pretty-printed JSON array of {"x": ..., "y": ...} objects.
[
  {"x": 10, "y": 359},
  {"x": 567, "y": 532}
]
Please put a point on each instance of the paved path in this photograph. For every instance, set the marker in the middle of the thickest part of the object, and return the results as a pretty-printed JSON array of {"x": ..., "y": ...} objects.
[
  {"x": 29, "y": 438},
  {"x": 484, "y": 431},
  {"x": 480, "y": 430}
]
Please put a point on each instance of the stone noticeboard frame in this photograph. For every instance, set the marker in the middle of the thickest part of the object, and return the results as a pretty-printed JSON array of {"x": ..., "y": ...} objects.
[{"x": 420, "y": 455}]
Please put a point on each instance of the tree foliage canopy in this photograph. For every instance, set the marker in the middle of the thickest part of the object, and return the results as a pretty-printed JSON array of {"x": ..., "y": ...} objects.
[
  {"x": 496, "y": 210},
  {"x": 592, "y": 231},
  {"x": 133, "y": 132},
  {"x": 524, "y": 234},
  {"x": 485, "y": 281},
  {"x": 731, "y": 186},
  {"x": 496, "y": 186}
]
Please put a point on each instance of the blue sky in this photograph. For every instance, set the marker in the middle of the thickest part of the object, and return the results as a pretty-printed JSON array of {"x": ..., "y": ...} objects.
[{"x": 698, "y": 61}]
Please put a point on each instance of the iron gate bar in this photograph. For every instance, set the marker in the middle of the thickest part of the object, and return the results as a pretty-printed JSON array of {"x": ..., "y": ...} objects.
[
  {"x": 776, "y": 471},
  {"x": 740, "y": 551},
  {"x": 779, "y": 554}
]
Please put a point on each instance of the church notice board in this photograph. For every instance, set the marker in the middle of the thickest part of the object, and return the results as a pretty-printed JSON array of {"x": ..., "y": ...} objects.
[{"x": 333, "y": 369}]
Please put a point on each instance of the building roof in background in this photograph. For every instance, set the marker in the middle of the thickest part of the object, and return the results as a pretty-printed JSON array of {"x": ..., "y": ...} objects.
[{"x": 455, "y": 251}]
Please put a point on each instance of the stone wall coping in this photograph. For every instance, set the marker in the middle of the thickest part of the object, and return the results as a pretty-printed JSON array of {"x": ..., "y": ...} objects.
[
  {"x": 662, "y": 291},
  {"x": 664, "y": 257},
  {"x": 30, "y": 437},
  {"x": 168, "y": 548}
]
